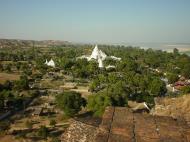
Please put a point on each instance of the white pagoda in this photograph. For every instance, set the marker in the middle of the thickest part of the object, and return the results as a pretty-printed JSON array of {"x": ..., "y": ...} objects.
[
  {"x": 51, "y": 63},
  {"x": 99, "y": 56}
]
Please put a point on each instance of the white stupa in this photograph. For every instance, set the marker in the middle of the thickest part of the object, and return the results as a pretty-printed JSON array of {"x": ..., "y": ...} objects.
[
  {"x": 51, "y": 63},
  {"x": 97, "y": 54},
  {"x": 100, "y": 63},
  {"x": 46, "y": 62},
  {"x": 103, "y": 55}
]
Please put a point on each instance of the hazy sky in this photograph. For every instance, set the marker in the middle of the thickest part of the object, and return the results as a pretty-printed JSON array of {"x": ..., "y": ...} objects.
[{"x": 107, "y": 21}]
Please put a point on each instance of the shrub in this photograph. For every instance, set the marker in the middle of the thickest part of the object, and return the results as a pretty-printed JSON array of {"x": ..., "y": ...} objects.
[
  {"x": 186, "y": 90},
  {"x": 52, "y": 122},
  {"x": 43, "y": 132},
  {"x": 4, "y": 125},
  {"x": 28, "y": 124}
]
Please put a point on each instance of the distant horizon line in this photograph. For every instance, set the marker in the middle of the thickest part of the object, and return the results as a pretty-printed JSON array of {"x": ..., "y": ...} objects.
[{"x": 94, "y": 42}]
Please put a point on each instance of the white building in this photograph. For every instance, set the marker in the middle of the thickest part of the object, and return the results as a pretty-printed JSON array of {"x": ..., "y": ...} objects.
[
  {"x": 115, "y": 58},
  {"x": 110, "y": 66},
  {"x": 51, "y": 63},
  {"x": 99, "y": 56},
  {"x": 100, "y": 63}
]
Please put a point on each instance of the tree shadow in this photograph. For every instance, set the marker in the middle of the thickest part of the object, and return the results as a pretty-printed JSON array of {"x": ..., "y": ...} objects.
[{"x": 88, "y": 118}]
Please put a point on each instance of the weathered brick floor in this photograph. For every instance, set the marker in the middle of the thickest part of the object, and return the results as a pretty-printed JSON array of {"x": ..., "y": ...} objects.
[{"x": 121, "y": 125}]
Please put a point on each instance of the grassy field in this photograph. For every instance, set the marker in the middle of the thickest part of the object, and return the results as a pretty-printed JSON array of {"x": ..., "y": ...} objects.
[{"x": 7, "y": 76}]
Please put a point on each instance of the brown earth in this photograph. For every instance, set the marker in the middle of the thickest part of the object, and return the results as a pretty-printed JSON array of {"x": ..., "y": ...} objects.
[
  {"x": 8, "y": 138},
  {"x": 178, "y": 108},
  {"x": 7, "y": 76}
]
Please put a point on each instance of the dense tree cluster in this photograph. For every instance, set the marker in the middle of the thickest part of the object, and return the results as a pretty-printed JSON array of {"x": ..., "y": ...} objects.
[
  {"x": 70, "y": 102},
  {"x": 8, "y": 98},
  {"x": 117, "y": 88},
  {"x": 136, "y": 77},
  {"x": 22, "y": 84}
]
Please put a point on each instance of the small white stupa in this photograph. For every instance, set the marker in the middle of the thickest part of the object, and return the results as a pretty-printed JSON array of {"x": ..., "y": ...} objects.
[
  {"x": 51, "y": 63},
  {"x": 46, "y": 62}
]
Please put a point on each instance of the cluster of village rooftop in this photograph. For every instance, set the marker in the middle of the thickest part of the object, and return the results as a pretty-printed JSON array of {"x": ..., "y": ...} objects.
[{"x": 177, "y": 86}]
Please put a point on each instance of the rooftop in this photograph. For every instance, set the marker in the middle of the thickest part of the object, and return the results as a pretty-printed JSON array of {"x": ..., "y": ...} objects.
[{"x": 119, "y": 124}]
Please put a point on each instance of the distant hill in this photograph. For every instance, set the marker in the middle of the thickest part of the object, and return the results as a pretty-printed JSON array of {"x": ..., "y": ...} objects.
[{"x": 7, "y": 43}]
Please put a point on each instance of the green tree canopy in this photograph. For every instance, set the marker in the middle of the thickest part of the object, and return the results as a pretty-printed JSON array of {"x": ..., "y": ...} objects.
[
  {"x": 172, "y": 78},
  {"x": 98, "y": 102},
  {"x": 43, "y": 132},
  {"x": 22, "y": 84},
  {"x": 70, "y": 102},
  {"x": 157, "y": 87}
]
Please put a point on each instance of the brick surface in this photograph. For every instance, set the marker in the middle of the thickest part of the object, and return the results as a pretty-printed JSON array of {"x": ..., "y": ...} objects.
[{"x": 121, "y": 125}]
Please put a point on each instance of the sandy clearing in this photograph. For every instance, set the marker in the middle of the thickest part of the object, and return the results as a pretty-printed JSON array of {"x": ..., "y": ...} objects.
[{"x": 8, "y": 76}]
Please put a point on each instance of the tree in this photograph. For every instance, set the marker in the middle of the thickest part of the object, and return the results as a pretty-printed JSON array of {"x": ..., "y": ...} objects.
[
  {"x": 1, "y": 102},
  {"x": 176, "y": 51},
  {"x": 18, "y": 65},
  {"x": 186, "y": 90},
  {"x": 8, "y": 68},
  {"x": 70, "y": 102},
  {"x": 98, "y": 102},
  {"x": 8, "y": 85},
  {"x": 143, "y": 97},
  {"x": 172, "y": 78},
  {"x": 118, "y": 93},
  {"x": 7, "y": 94},
  {"x": 27, "y": 71},
  {"x": 94, "y": 85},
  {"x": 186, "y": 71},
  {"x": 1, "y": 67},
  {"x": 43, "y": 132},
  {"x": 52, "y": 122},
  {"x": 28, "y": 124},
  {"x": 22, "y": 84},
  {"x": 18, "y": 102},
  {"x": 157, "y": 87},
  {"x": 4, "y": 125}
]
